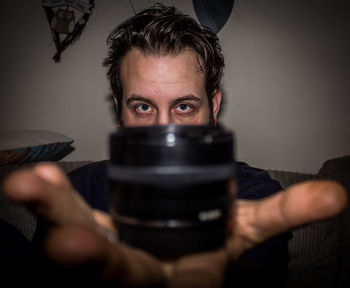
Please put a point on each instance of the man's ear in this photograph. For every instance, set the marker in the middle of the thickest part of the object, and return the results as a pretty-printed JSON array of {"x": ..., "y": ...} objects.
[
  {"x": 116, "y": 103},
  {"x": 216, "y": 101},
  {"x": 116, "y": 110}
]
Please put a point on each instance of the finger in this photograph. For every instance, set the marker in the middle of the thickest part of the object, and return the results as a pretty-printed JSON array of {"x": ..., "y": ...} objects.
[
  {"x": 56, "y": 176},
  {"x": 202, "y": 270},
  {"x": 23, "y": 186},
  {"x": 73, "y": 246},
  {"x": 105, "y": 225},
  {"x": 104, "y": 219},
  {"x": 52, "y": 173},
  {"x": 47, "y": 191},
  {"x": 300, "y": 204}
]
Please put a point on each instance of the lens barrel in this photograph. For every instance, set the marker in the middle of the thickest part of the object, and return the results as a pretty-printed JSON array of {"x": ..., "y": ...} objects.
[{"x": 169, "y": 187}]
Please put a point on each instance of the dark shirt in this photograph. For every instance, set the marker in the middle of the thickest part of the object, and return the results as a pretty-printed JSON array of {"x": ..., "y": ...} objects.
[
  {"x": 253, "y": 183},
  {"x": 265, "y": 264}
]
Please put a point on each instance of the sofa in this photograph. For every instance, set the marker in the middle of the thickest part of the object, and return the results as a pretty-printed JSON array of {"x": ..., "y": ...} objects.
[{"x": 319, "y": 251}]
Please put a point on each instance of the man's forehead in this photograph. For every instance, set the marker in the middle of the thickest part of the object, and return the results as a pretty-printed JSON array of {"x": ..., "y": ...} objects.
[
  {"x": 136, "y": 55},
  {"x": 171, "y": 76}
]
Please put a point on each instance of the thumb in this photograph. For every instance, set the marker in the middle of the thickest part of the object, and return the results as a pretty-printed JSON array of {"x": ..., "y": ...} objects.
[{"x": 47, "y": 190}]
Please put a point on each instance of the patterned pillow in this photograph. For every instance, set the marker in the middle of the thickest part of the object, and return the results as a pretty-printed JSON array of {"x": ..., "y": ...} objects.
[{"x": 26, "y": 146}]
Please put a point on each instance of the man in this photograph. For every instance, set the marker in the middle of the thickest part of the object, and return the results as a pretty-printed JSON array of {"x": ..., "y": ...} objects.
[{"x": 164, "y": 68}]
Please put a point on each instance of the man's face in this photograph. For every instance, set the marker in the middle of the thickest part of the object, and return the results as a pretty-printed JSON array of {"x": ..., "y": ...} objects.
[{"x": 160, "y": 90}]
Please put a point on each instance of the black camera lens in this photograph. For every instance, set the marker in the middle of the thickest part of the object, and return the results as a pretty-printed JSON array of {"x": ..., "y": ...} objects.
[{"x": 169, "y": 187}]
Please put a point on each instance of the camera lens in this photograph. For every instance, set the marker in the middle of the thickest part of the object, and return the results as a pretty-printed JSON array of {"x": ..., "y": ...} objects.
[{"x": 169, "y": 187}]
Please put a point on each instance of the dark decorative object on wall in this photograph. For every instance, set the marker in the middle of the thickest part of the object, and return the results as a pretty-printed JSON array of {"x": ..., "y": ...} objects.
[
  {"x": 61, "y": 15},
  {"x": 213, "y": 14}
]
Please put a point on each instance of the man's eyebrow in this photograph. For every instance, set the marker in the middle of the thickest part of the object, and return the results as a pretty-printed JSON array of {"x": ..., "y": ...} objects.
[
  {"x": 189, "y": 97},
  {"x": 134, "y": 97}
]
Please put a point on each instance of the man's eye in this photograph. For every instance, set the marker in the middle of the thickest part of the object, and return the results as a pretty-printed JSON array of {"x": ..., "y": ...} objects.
[
  {"x": 142, "y": 108},
  {"x": 184, "y": 108}
]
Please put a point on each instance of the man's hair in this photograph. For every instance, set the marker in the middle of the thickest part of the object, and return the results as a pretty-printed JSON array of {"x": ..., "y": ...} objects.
[{"x": 162, "y": 31}]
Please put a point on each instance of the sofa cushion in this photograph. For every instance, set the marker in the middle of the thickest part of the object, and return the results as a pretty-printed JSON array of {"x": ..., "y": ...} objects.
[
  {"x": 338, "y": 169},
  {"x": 316, "y": 247},
  {"x": 28, "y": 146}
]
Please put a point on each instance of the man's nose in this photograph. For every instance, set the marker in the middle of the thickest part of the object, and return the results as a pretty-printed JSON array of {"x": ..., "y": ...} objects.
[{"x": 164, "y": 118}]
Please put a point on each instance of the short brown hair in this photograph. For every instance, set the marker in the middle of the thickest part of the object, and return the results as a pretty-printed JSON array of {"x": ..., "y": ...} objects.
[{"x": 162, "y": 30}]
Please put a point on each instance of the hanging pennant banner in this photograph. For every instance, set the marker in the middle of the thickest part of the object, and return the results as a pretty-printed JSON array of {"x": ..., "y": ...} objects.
[
  {"x": 61, "y": 15},
  {"x": 80, "y": 5}
]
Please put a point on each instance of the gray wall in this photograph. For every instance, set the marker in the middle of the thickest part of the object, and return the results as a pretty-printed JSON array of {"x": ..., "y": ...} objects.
[{"x": 286, "y": 79}]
